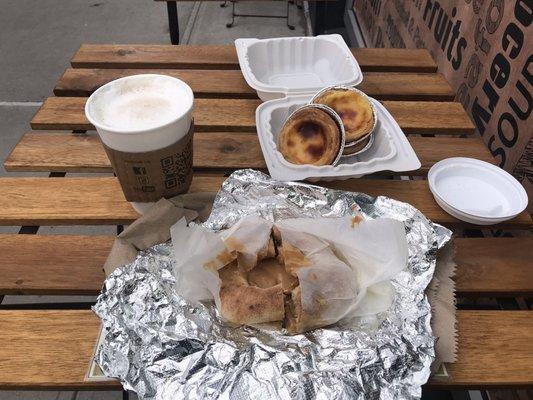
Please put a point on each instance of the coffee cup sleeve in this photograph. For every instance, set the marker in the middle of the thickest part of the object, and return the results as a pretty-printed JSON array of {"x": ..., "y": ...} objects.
[{"x": 149, "y": 176}]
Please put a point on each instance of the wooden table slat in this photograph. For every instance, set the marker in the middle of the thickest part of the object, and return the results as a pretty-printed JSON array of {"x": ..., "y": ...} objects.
[
  {"x": 498, "y": 267},
  {"x": 73, "y": 201},
  {"x": 222, "y": 151},
  {"x": 495, "y": 349},
  {"x": 53, "y": 264},
  {"x": 225, "y": 57},
  {"x": 239, "y": 115},
  {"x": 72, "y": 265},
  {"x": 231, "y": 84},
  {"x": 51, "y": 350},
  {"x": 99, "y": 200}
]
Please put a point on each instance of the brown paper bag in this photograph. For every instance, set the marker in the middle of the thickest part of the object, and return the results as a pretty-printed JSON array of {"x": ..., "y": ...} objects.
[
  {"x": 441, "y": 296},
  {"x": 154, "y": 226}
]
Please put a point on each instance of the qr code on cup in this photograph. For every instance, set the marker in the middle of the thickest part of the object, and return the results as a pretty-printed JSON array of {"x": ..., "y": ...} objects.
[{"x": 176, "y": 168}]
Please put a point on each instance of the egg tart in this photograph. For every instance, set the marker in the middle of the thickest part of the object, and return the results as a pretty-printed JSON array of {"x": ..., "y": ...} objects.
[
  {"x": 310, "y": 136},
  {"x": 353, "y": 107}
]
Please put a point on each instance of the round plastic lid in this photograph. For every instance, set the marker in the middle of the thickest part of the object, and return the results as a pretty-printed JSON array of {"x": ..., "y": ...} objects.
[{"x": 477, "y": 188}]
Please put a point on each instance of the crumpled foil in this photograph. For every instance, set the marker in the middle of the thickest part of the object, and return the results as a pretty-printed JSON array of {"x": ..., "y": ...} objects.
[{"x": 162, "y": 347}]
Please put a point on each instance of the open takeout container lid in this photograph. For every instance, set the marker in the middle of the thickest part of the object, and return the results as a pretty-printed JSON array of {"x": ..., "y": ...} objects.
[
  {"x": 476, "y": 191},
  {"x": 280, "y": 67}
]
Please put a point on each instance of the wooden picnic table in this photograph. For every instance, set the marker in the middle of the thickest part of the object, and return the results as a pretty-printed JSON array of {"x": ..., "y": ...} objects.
[{"x": 49, "y": 347}]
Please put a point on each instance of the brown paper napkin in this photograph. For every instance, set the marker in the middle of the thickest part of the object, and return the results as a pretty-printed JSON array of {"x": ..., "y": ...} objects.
[
  {"x": 154, "y": 227},
  {"x": 441, "y": 296}
]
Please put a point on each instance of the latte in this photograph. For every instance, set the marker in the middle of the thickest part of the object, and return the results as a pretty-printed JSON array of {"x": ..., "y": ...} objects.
[
  {"x": 142, "y": 103},
  {"x": 146, "y": 127}
]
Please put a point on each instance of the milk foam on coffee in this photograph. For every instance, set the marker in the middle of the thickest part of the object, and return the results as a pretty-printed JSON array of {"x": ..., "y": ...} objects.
[{"x": 139, "y": 104}]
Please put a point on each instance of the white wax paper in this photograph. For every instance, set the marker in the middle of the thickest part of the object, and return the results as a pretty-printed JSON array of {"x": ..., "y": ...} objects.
[
  {"x": 373, "y": 252},
  {"x": 351, "y": 264}
]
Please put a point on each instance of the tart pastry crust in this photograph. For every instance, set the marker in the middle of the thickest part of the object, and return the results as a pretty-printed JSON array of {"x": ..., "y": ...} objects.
[{"x": 349, "y": 150}]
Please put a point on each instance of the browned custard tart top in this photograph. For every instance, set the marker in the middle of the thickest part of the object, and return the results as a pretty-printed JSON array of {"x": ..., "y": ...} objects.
[
  {"x": 354, "y": 109},
  {"x": 310, "y": 136}
]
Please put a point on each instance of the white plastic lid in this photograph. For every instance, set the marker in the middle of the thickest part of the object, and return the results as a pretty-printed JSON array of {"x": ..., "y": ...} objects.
[
  {"x": 131, "y": 136},
  {"x": 279, "y": 67},
  {"x": 477, "y": 188}
]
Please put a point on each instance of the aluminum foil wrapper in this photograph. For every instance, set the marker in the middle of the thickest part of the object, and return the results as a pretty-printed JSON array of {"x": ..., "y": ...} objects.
[{"x": 162, "y": 347}]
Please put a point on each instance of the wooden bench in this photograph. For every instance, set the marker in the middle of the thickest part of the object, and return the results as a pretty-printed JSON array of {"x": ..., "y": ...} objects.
[
  {"x": 220, "y": 115},
  {"x": 223, "y": 57},
  {"x": 50, "y": 349},
  {"x": 231, "y": 84},
  {"x": 99, "y": 200}
]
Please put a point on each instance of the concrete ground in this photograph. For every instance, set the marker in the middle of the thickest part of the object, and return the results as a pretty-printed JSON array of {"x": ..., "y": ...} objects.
[{"x": 37, "y": 40}]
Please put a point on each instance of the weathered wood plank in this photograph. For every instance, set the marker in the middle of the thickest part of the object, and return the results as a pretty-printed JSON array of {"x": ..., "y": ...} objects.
[
  {"x": 225, "y": 57},
  {"x": 205, "y": 84},
  {"x": 97, "y": 201},
  {"x": 238, "y": 115},
  {"x": 72, "y": 265},
  {"x": 55, "y": 151},
  {"x": 48, "y": 350},
  {"x": 51, "y": 350},
  {"x": 53, "y": 264},
  {"x": 498, "y": 267},
  {"x": 209, "y": 114},
  {"x": 495, "y": 349},
  {"x": 221, "y": 151},
  {"x": 73, "y": 201},
  {"x": 430, "y": 117},
  {"x": 231, "y": 84}
]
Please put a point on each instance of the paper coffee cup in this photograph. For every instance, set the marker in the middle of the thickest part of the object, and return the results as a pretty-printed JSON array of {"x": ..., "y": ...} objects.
[{"x": 145, "y": 124}]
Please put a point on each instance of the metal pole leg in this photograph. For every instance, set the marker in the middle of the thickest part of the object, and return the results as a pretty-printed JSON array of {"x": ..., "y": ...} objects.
[
  {"x": 291, "y": 27},
  {"x": 173, "y": 25},
  {"x": 320, "y": 18},
  {"x": 230, "y": 24}
]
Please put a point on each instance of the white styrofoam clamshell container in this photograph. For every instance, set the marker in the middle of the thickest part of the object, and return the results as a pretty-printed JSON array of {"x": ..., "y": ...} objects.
[
  {"x": 391, "y": 149},
  {"x": 476, "y": 191},
  {"x": 280, "y": 67}
]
